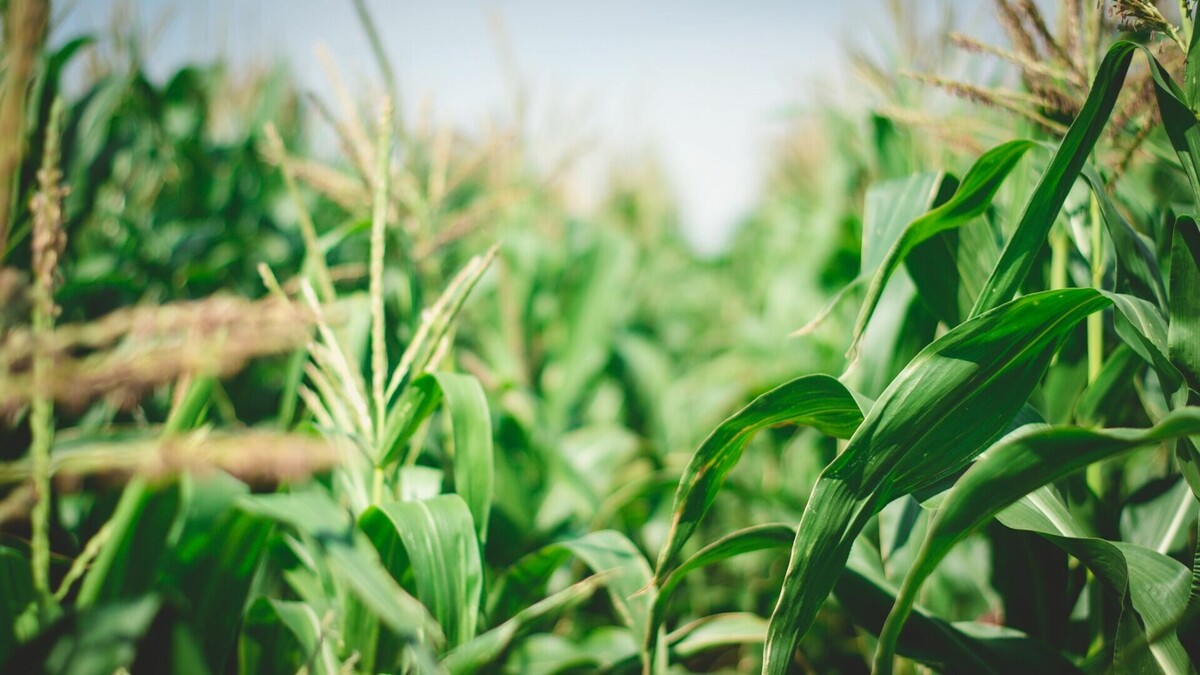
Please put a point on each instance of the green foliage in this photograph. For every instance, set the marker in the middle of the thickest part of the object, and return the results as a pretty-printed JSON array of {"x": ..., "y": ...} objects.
[{"x": 486, "y": 415}]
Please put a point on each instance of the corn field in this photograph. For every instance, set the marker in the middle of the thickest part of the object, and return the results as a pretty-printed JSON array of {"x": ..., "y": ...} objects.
[{"x": 403, "y": 408}]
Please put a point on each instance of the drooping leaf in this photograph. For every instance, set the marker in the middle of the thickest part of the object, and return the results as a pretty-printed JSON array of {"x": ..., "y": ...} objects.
[
  {"x": 953, "y": 399},
  {"x": 962, "y": 647},
  {"x": 1142, "y": 326},
  {"x": 974, "y": 194},
  {"x": 747, "y": 540},
  {"x": 1018, "y": 465},
  {"x": 819, "y": 401},
  {"x": 1138, "y": 271},
  {"x": 482, "y": 651},
  {"x": 718, "y": 630}
]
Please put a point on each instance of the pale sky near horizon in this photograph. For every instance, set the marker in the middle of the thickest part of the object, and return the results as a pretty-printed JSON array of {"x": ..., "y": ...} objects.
[{"x": 703, "y": 85}]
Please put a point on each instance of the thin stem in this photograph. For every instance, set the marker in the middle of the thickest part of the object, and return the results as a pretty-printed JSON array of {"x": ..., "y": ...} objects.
[
  {"x": 381, "y": 57},
  {"x": 1095, "y": 322},
  {"x": 378, "y": 247},
  {"x": 41, "y": 424},
  {"x": 1095, "y": 330},
  {"x": 1060, "y": 250},
  {"x": 49, "y": 241},
  {"x": 377, "y": 486}
]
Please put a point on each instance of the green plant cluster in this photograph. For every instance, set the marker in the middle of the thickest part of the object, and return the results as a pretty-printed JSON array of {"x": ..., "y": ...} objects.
[{"x": 404, "y": 411}]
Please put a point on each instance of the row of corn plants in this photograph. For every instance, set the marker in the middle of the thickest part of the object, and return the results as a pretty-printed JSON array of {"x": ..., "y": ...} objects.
[
  {"x": 420, "y": 452},
  {"x": 1051, "y": 388},
  {"x": 312, "y": 480}
]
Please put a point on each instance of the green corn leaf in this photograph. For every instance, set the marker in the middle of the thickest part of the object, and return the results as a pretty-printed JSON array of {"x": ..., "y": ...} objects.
[
  {"x": 473, "y": 459},
  {"x": 16, "y": 595},
  {"x": 1056, "y": 181},
  {"x": 1179, "y": 121},
  {"x": 755, "y": 538},
  {"x": 1155, "y": 584},
  {"x": 1183, "y": 331},
  {"x": 1142, "y": 326},
  {"x": 819, "y": 401},
  {"x": 961, "y": 647},
  {"x": 214, "y": 562},
  {"x": 972, "y": 198},
  {"x": 1138, "y": 269},
  {"x": 1109, "y": 394},
  {"x": 867, "y": 598},
  {"x": 1015, "y": 467},
  {"x": 1160, "y": 523},
  {"x": 129, "y": 562},
  {"x": 952, "y": 400},
  {"x": 890, "y": 206},
  {"x": 350, "y": 557},
  {"x": 280, "y": 637},
  {"x": 481, "y": 652},
  {"x": 436, "y": 323},
  {"x": 950, "y": 268},
  {"x": 434, "y": 540},
  {"x": 608, "y": 553},
  {"x": 718, "y": 630}
]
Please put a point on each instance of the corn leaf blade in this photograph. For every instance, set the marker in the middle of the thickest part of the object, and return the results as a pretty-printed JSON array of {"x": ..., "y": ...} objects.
[
  {"x": 435, "y": 539},
  {"x": 956, "y": 396}
]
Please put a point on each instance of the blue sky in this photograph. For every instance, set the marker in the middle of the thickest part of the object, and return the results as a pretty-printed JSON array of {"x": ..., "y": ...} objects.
[{"x": 702, "y": 84}]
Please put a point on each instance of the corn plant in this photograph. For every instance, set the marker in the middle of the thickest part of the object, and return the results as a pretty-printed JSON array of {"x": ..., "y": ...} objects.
[{"x": 960, "y": 429}]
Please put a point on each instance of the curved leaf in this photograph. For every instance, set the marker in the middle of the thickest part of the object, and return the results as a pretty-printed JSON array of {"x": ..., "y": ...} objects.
[
  {"x": 972, "y": 198},
  {"x": 435, "y": 539},
  {"x": 609, "y": 553},
  {"x": 756, "y": 538},
  {"x": 1056, "y": 181},
  {"x": 1136, "y": 262},
  {"x": 953, "y": 399},
  {"x": 470, "y": 418},
  {"x": 283, "y": 637},
  {"x": 1022, "y": 462},
  {"x": 1142, "y": 326},
  {"x": 482, "y": 651},
  {"x": 819, "y": 401},
  {"x": 350, "y": 557},
  {"x": 947, "y": 647}
]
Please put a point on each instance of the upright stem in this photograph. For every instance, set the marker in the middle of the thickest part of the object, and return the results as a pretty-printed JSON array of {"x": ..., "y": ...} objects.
[
  {"x": 1095, "y": 322},
  {"x": 1060, "y": 249},
  {"x": 1095, "y": 331},
  {"x": 47, "y": 245},
  {"x": 41, "y": 426}
]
